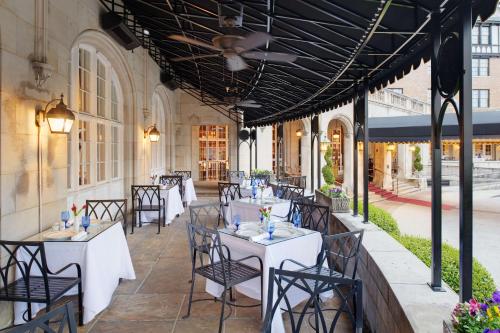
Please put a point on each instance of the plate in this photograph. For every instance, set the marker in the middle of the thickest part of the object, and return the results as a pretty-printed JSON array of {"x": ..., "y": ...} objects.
[
  {"x": 247, "y": 233},
  {"x": 249, "y": 226},
  {"x": 59, "y": 235}
]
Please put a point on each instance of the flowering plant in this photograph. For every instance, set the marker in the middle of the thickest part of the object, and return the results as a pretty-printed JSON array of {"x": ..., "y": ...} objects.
[
  {"x": 77, "y": 211},
  {"x": 265, "y": 212},
  {"x": 476, "y": 317},
  {"x": 153, "y": 178},
  {"x": 336, "y": 192},
  {"x": 262, "y": 187}
]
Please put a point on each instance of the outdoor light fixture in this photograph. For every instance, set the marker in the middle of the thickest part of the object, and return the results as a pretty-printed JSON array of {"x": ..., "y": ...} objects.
[
  {"x": 391, "y": 147},
  {"x": 324, "y": 143},
  {"x": 336, "y": 136},
  {"x": 412, "y": 148},
  {"x": 60, "y": 118},
  {"x": 153, "y": 133},
  {"x": 298, "y": 133}
]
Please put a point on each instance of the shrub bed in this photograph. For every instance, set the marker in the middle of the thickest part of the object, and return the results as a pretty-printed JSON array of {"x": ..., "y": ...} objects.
[{"x": 482, "y": 282}]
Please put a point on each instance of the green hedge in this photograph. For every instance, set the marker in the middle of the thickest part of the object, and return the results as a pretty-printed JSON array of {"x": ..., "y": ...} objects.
[{"x": 483, "y": 284}]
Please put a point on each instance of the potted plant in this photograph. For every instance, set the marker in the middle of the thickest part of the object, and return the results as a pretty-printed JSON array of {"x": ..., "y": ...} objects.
[
  {"x": 476, "y": 317},
  {"x": 329, "y": 194}
]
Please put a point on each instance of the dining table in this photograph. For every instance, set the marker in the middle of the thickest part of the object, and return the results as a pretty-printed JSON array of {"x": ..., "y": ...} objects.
[
  {"x": 302, "y": 245},
  {"x": 189, "y": 191},
  {"x": 248, "y": 208},
  {"x": 173, "y": 205},
  {"x": 103, "y": 255}
]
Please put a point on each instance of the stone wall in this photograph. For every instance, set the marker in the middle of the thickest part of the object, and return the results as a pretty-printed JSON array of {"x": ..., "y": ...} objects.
[{"x": 396, "y": 297}]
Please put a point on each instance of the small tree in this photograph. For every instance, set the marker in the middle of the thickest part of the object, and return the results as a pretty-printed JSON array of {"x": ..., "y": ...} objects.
[
  {"x": 417, "y": 161},
  {"x": 327, "y": 170}
]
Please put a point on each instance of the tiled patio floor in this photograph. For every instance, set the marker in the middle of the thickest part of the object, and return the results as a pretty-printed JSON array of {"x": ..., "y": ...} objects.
[{"x": 157, "y": 300}]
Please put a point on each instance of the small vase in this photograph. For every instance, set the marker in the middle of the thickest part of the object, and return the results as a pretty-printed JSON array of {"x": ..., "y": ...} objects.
[
  {"x": 266, "y": 222},
  {"x": 76, "y": 224}
]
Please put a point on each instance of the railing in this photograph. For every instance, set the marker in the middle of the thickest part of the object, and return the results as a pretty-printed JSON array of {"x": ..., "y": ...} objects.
[
  {"x": 394, "y": 179},
  {"x": 401, "y": 102}
]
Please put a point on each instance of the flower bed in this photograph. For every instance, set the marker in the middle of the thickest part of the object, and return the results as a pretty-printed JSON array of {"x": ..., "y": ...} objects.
[{"x": 335, "y": 198}]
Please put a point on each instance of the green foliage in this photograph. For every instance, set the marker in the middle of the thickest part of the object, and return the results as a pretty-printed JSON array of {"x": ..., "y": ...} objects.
[
  {"x": 325, "y": 189},
  {"x": 259, "y": 172},
  {"x": 417, "y": 162},
  {"x": 483, "y": 284},
  {"x": 327, "y": 170}
]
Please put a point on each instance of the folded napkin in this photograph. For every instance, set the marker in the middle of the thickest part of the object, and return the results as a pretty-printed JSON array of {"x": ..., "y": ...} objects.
[
  {"x": 258, "y": 237},
  {"x": 79, "y": 236}
]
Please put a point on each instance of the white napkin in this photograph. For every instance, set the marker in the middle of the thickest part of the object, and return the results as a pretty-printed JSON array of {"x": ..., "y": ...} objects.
[
  {"x": 258, "y": 237},
  {"x": 79, "y": 236}
]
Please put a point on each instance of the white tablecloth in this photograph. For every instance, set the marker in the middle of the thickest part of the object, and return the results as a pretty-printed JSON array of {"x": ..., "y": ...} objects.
[
  {"x": 248, "y": 209},
  {"x": 104, "y": 260},
  {"x": 246, "y": 191},
  {"x": 303, "y": 249},
  {"x": 173, "y": 206},
  {"x": 189, "y": 192}
]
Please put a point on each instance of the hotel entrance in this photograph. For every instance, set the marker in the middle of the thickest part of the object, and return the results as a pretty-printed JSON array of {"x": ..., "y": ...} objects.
[{"x": 213, "y": 152}]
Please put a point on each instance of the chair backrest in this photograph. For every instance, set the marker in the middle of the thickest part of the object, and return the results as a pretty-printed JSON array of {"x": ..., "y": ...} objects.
[
  {"x": 260, "y": 179},
  {"x": 143, "y": 195},
  {"x": 206, "y": 215},
  {"x": 28, "y": 258},
  {"x": 107, "y": 210},
  {"x": 341, "y": 251},
  {"x": 229, "y": 192},
  {"x": 307, "y": 199},
  {"x": 299, "y": 181},
  {"x": 283, "y": 283},
  {"x": 172, "y": 180},
  {"x": 235, "y": 176},
  {"x": 290, "y": 192},
  {"x": 184, "y": 173},
  {"x": 61, "y": 319},
  {"x": 314, "y": 216},
  {"x": 206, "y": 249}
]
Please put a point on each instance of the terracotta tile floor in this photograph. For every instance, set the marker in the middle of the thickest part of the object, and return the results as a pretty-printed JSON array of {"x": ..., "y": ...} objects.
[{"x": 157, "y": 300}]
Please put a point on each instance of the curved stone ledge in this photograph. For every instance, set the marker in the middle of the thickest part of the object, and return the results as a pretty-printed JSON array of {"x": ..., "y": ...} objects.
[{"x": 396, "y": 296}]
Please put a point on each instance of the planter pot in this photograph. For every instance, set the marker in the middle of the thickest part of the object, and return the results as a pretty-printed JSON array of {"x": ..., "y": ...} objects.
[
  {"x": 337, "y": 205},
  {"x": 447, "y": 327}
]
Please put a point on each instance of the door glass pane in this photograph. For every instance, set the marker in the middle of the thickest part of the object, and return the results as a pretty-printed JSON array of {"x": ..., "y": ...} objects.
[{"x": 212, "y": 153}]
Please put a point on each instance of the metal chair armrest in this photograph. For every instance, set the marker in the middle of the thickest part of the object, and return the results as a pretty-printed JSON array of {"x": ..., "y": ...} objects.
[
  {"x": 78, "y": 269},
  {"x": 293, "y": 261},
  {"x": 251, "y": 257},
  {"x": 228, "y": 251}
]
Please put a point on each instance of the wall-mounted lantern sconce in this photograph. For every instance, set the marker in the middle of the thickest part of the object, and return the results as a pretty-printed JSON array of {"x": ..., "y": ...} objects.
[
  {"x": 324, "y": 143},
  {"x": 412, "y": 148},
  {"x": 153, "y": 133},
  {"x": 298, "y": 133},
  {"x": 60, "y": 118},
  {"x": 336, "y": 136}
]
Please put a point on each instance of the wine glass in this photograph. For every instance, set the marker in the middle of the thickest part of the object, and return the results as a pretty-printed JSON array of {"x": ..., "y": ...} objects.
[
  {"x": 270, "y": 230},
  {"x": 85, "y": 222},
  {"x": 65, "y": 217},
  {"x": 254, "y": 191},
  {"x": 279, "y": 193},
  {"x": 237, "y": 221},
  {"x": 297, "y": 220}
]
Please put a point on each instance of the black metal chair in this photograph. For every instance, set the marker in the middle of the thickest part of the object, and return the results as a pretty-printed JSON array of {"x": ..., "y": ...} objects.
[
  {"x": 289, "y": 192},
  {"x": 313, "y": 216},
  {"x": 206, "y": 215},
  {"x": 108, "y": 210},
  {"x": 61, "y": 319},
  {"x": 235, "y": 176},
  {"x": 323, "y": 320},
  {"x": 227, "y": 193},
  {"x": 216, "y": 265},
  {"x": 146, "y": 198},
  {"x": 171, "y": 180},
  {"x": 34, "y": 282},
  {"x": 186, "y": 174},
  {"x": 299, "y": 181},
  {"x": 260, "y": 179}
]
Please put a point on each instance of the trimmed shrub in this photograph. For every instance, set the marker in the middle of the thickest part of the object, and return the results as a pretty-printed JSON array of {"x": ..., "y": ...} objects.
[
  {"x": 327, "y": 169},
  {"x": 417, "y": 162},
  {"x": 482, "y": 282}
]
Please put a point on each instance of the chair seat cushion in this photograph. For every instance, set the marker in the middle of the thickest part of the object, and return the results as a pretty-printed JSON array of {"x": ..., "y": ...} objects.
[
  {"x": 17, "y": 291},
  {"x": 235, "y": 272}
]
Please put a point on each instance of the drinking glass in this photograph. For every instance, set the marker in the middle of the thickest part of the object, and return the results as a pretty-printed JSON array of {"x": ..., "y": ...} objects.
[
  {"x": 279, "y": 193},
  {"x": 65, "y": 218},
  {"x": 237, "y": 221},
  {"x": 254, "y": 191},
  {"x": 297, "y": 220},
  {"x": 85, "y": 222},
  {"x": 270, "y": 229}
]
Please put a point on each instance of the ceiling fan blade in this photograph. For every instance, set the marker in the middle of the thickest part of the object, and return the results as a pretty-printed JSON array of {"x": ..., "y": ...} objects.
[
  {"x": 235, "y": 63},
  {"x": 270, "y": 56},
  {"x": 252, "y": 41},
  {"x": 249, "y": 105},
  {"x": 247, "y": 101},
  {"x": 191, "y": 41},
  {"x": 178, "y": 59}
]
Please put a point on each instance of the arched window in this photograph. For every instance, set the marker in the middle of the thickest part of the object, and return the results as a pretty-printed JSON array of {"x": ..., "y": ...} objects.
[
  {"x": 94, "y": 146},
  {"x": 159, "y": 149}
]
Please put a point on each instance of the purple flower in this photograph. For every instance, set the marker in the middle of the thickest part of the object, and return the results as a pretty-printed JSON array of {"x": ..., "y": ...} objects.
[
  {"x": 496, "y": 296},
  {"x": 487, "y": 330},
  {"x": 484, "y": 306}
]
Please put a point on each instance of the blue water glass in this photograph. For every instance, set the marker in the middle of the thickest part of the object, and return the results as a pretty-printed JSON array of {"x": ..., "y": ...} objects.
[
  {"x": 261, "y": 218},
  {"x": 297, "y": 220},
  {"x": 252, "y": 182},
  {"x": 237, "y": 221},
  {"x": 85, "y": 222},
  {"x": 65, "y": 217},
  {"x": 270, "y": 230},
  {"x": 279, "y": 193},
  {"x": 254, "y": 191}
]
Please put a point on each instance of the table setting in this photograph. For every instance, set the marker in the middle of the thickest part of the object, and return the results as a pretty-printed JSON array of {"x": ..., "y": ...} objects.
[{"x": 98, "y": 246}]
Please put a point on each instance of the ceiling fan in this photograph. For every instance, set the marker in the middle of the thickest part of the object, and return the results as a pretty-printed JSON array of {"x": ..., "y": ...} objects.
[
  {"x": 235, "y": 48},
  {"x": 237, "y": 102}
]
